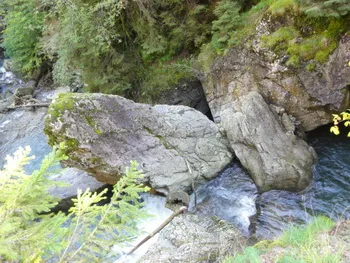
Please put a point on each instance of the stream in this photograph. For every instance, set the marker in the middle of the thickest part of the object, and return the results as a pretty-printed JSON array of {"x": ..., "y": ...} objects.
[{"x": 233, "y": 197}]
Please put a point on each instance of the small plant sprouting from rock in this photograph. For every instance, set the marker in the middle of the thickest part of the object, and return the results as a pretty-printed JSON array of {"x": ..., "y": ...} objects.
[{"x": 30, "y": 233}]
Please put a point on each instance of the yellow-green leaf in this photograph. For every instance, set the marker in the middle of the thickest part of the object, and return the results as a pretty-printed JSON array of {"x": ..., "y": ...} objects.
[{"x": 335, "y": 130}]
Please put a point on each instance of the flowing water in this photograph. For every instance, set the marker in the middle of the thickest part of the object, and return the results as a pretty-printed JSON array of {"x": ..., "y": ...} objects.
[{"x": 233, "y": 197}]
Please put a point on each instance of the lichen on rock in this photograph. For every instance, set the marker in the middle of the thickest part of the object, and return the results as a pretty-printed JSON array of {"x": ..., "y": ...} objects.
[{"x": 174, "y": 145}]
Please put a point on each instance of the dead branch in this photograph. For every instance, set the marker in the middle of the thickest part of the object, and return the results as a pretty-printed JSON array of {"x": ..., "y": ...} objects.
[
  {"x": 166, "y": 222},
  {"x": 28, "y": 105}
]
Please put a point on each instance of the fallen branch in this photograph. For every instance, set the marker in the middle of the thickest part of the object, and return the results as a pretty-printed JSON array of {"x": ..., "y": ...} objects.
[
  {"x": 29, "y": 105},
  {"x": 166, "y": 222}
]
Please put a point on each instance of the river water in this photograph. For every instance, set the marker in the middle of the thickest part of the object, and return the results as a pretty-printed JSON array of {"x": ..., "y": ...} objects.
[{"x": 232, "y": 196}]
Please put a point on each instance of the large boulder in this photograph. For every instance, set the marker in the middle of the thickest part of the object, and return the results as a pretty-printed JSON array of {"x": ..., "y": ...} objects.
[
  {"x": 192, "y": 238},
  {"x": 310, "y": 96},
  {"x": 175, "y": 146},
  {"x": 266, "y": 145}
]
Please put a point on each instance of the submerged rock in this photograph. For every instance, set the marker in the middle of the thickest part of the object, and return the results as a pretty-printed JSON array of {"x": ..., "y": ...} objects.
[
  {"x": 273, "y": 155},
  {"x": 192, "y": 238},
  {"x": 174, "y": 145}
]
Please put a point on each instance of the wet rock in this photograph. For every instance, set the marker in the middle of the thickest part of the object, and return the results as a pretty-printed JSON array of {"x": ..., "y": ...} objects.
[
  {"x": 273, "y": 155},
  {"x": 174, "y": 145},
  {"x": 8, "y": 64},
  {"x": 7, "y": 94},
  {"x": 192, "y": 238},
  {"x": 74, "y": 179}
]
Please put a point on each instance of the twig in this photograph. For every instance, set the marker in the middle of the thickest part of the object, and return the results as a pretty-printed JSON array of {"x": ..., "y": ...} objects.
[
  {"x": 25, "y": 106},
  {"x": 166, "y": 222},
  {"x": 29, "y": 105}
]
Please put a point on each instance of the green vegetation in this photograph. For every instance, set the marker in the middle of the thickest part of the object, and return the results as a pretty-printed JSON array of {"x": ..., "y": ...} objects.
[
  {"x": 140, "y": 48},
  {"x": 297, "y": 244},
  {"x": 114, "y": 45},
  {"x": 85, "y": 234},
  {"x": 307, "y": 47},
  {"x": 343, "y": 117},
  {"x": 24, "y": 25},
  {"x": 326, "y": 8}
]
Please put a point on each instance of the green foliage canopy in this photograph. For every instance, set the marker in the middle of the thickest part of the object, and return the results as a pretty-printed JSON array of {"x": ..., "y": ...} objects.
[
  {"x": 116, "y": 46},
  {"x": 24, "y": 25}
]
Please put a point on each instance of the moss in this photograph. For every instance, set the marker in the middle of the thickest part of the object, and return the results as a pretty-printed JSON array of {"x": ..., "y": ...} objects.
[
  {"x": 280, "y": 39},
  {"x": 311, "y": 66},
  {"x": 90, "y": 120},
  {"x": 94, "y": 160},
  {"x": 293, "y": 61},
  {"x": 71, "y": 144},
  {"x": 160, "y": 138},
  {"x": 55, "y": 139},
  {"x": 97, "y": 131},
  {"x": 281, "y": 7},
  {"x": 307, "y": 39},
  {"x": 164, "y": 142},
  {"x": 65, "y": 101}
]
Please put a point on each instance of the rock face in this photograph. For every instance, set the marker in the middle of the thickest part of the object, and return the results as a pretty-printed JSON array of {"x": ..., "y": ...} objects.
[
  {"x": 174, "y": 145},
  {"x": 310, "y": 96},
  {"x": 192, "y": 238},
  {"x": 274, "y": 156}
]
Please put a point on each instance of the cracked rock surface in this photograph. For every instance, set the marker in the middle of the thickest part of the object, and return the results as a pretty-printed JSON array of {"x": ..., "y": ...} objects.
[
  {"x": 265, "y": 145},
  {"x": 174, "y": 145}
]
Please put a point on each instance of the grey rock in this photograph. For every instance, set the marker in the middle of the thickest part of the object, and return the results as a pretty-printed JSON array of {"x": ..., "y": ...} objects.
[
  {"x": 8, "y": 64},
  {"x": 309, "y": 96},
  {"x": 192, "y": 238},
  {"x": 75, "y": 179},
  {"x": 274, "y": 156},
  {"x": 7, "y": 94},
  {"x": 24, "y": 91},
  {"x": 174, "y": 145}
]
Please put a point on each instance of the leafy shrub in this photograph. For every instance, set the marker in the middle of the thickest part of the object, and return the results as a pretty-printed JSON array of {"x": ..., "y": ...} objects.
[
  {"x": 338, "y": 118},
  {"x": 85, "y": 234}
]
